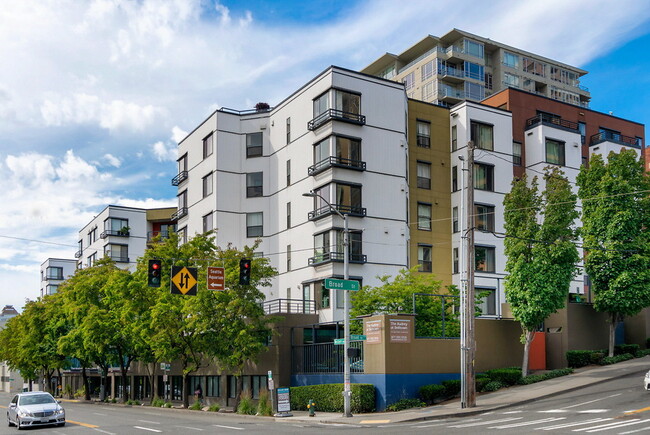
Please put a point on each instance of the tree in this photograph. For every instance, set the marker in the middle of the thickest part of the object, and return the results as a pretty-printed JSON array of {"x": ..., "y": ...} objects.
[
  {"x": 616, "y": 233},
  {"x": 541, "y": 257}
]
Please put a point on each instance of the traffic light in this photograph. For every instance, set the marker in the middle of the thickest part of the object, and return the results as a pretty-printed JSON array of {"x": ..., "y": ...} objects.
[
  {"x": 244, "y": 271},
  {"x": 153, "y": 274}
]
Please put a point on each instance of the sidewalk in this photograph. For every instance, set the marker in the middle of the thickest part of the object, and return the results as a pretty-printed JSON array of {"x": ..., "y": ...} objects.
[{"x": 512, "y": 396}]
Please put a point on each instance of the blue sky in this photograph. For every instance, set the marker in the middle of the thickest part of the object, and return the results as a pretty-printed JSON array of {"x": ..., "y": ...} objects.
[{"x": 94, "y": 95}]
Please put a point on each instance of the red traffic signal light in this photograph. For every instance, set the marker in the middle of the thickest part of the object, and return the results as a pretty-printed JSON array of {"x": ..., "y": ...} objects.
[
  {"x": 244, "y": 271},
  {"x": 153, "y": 273}
]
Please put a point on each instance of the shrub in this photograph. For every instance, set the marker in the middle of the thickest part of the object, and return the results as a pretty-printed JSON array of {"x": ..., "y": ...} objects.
[
  {"x": 642, "y": 353},
  {"x": 596, "y": 356},
  {"x": 158, "y": 402},
  {"x": 531, "y": 379},
  {"x": 481, "y": 381},
  {"x": 245, "y": 403},
  {"x": 452, "y": 387},
  {"x": 196, "y": 406},
  {"x": 508, "y": 376},
  {"x": 430, "y": 393},
  {"x": 168, "y": 404},
  {"x": 132, "y": 402},
  {"x": 264, "y": 404},
  {"x": 492, "y": 386},
  {"x": 328, "y": 397},
  {"x": 113, "y": 400},
  {"x": 214, "y": 408},
  {"x": 578, "y": 358},
  {"x": 615, "y": 359},
  {"x": 626, "y": 348},
  {"x": 647, "y": 343},
  {"x": 402, "y": 404}
]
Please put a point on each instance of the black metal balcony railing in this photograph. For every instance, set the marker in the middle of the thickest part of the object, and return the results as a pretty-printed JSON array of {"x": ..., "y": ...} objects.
[
  {"x": 553, "y": 121},
  {"x": 326, "y": 257},
  {"x": 118, "y": 233},
  {"x": 609, "y": 136},
  {"x": 119, "y": 258},
  {"x": 182, "y": 176},
  {"x": 289, "y": 306},
  {"x": 337, "y": 162},
  {"x": 335, "y": 114},
  {"x": 325, "y": 358},
  {"x": 157, "y": 235},
  {"x": 343, "y": 209},
  {"x": 78, "y": 254},
  {"x": 58, "y": 277},
  {"x": 181, "y": 212}
]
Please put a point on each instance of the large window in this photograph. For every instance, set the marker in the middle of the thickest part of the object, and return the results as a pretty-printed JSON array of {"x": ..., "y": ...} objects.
[
  {"x": 484, "y": 259},
  {"x": 347, "y": 104},
  {"x": 428, "y": 70},
  {"x": 474, "y": 91},
  {"x": 473, "y": 48},
  {"x": 474, "y": 71},
  {"x": 483, "y": 177},
  {"x": 534, "y": 67},
  {"x": 510, "y": 59},
  {"x": 424, "y": 175},
  {"x": 208, "y": 222},
  {"x": 254, "y": 224},
  {"x": 555, "y": 152},
  {"x": 482, "y": 135},
  {"x": 423, "y": 134},
  {"x": 54, "y": 273},
  {"x": 116, "y": 227},
  {"x": 329, "y": 245},
  {"x": 208, "y": 146},
  {"x": 484, "y": 217},
  {"x": 486, "y": 301},
  {"x": 118, "y": 253},
  {"x": 213, "y": 386},
  {"x": 424, "y": 216},
  {"x": 511, "y": 80},
  {"x": 208, "y": 185},
  {"x": 424, "y": 258},
  {"x": 254, "y": 144},
  {"x": 409, "y": 80},
  {"x": 348, "y": 197},
  {"x": 516, "y": 153},
  {"x": 254, "y": 184}
]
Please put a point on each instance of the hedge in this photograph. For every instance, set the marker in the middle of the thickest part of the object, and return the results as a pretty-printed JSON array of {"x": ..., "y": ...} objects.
[
  {"x": 403, "y": 404},
  {"x": 452, "y": 387},
  {"x": 508, "y": 376},
  {"x": 620, "y": 349},
  {"x": 615, "y": 359},
  {"x": 579, "y": 358},
  {"x": 430, "y": 393},
  {"x": 329, "y": 397}
]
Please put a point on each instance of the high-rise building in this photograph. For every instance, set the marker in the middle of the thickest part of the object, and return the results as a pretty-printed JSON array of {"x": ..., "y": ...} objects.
[{"x": 461, "y": 66}]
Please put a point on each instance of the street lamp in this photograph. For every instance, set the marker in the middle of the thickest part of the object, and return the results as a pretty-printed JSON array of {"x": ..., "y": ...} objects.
[{"x": 347, "y": 392}]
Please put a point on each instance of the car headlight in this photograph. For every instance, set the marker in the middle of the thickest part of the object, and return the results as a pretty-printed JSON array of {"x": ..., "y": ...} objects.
[
  {"x": 59, "y": 411},
  {"x": 24, "y": 413}
]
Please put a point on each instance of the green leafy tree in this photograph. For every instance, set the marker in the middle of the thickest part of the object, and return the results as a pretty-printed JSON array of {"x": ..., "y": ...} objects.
[
  {"x": 540, "y": 250},
  {"x": 616, "y": 233}
]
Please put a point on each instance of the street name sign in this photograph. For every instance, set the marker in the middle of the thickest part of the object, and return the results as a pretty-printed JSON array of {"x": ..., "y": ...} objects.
[
  {"x": 216, "y": 278},
  {"x": 184, "y": 281},
  {"x": 357, "y": 337},
  {"x": 341, "y": 284},
  {"x": 339, "y": 341}
]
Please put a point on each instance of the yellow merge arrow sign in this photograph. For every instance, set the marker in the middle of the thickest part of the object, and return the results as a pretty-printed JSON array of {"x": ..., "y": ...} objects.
[{"x": 184, "y": 280}]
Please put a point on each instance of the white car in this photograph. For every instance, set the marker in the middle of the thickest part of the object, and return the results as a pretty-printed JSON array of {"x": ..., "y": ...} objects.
[
  {"x": 646, "y": 381},
  {"x": 35, "y": 408}
]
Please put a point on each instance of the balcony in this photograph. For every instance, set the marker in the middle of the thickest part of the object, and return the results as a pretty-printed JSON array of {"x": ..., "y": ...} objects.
[
  {"x": 119, "y": 258},
  {"x": 180, "y": 213},
  {"x": 289, "y": 306},
  {"x": 338, "y": 257},
  {"x": 78, "y": 254},
  {"x": 608, "y": 136},
  {"x": 118, "y": 233},
  {"x": 336, "y": 162},
  {"x": 182, "y": 176},
  {"x": 157, "y": 236},
  {"x": 451, "y": 74},
  {"x": 552, "y": 121},
  {"x": 343, "y": 209},
  {"x": 337, "y": 115},
  {"x": 57, "y": 277}
]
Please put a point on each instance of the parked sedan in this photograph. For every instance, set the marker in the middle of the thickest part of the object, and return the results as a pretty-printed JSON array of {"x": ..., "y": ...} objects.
[{"x": 35, "y": 408}]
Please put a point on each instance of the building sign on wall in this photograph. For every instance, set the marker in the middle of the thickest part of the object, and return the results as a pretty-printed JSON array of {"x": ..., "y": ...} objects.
[
  {"x": 400, "y": 330},
  {"x": 372, "y": 331}
]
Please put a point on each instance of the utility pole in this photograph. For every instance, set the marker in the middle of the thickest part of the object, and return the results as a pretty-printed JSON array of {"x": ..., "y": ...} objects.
[{"x": 468, "y": 340}]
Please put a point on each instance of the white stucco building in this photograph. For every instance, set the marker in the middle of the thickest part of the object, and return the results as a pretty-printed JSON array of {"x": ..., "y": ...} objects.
[{"x": 53, "y": 272}]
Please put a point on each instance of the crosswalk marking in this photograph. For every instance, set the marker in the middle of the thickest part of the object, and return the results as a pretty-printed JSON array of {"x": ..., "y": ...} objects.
[
  {"x": 605, "y": 426},
  {"x": 643, "y": 429},
  {"x": 592, "y": 401},
  {"x": 483, "y": 423},
  {"x": 527, "y": 423},
  {"x": 619, "y": 426},
  {"x": 579, "y": 423}
]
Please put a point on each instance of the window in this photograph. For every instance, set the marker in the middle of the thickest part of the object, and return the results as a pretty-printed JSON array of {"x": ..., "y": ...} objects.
[
  {"x": 484, "y": 259},
  {"x": 454, "y": 138},
  {"x": 254, "y": 224},
  {"x": 288, "y": 172},
  {"x": 423, "y": 134},
  {"x": 424, "y": 258},
  {"x": 486, "y": 298},
  {"x": 482, "y": 136},
  {"x": 348, "y": 197},
  {"x": 484, "y": 217},
  {"x": 232, "y": 386},
  {"x": 254, "y": 184},
  {"x": 207, "y": 185},
  {"x": 355, "y": 251},
  {"x": 92, "y": 236},
  {"x": 213, "y": 386},
  {"x": 473, "y": 48},
  {"x": 554, "y": 152},
  {"x": 582, "y": 127},
  {"x": 254, "y": 144},
  {"x": 348, "y": 103},
  {"x": 474, "y": 91},
  {"x": 324, "y": 297},
  {"x": 182, "y": 200},
  {"x": 182, "y": 235},
  {"x": 208, "y": 146},
  {"x": 288, "y": 258},
  {"x": 288, "y": 131},
  {"x": 117, "y": 253},
  {"x": 510, "y": 59},
  {"x": 454, "y": 179},
  {"x": 488, "y": 81},
  {"x": 424, "y": 175},
  {"x": 534, "y": 67},
  {"x": 424, "y": 216},
  {"x": 454, "y": 220},
  {"x": 427, "y": 70},
  {"x": 474, "y": 71},
  {"x": 348, "y": 150},
  {"x": 456, "y": 261},
  {"x": 306, "y": 298},
  {"x": 511, "y": 80},
  {"x": 483, "y": 177},
  {"x": 208, "y": 224},
  {"x": 409, "y": 80},
  {"x": 182, "y": 163},
  {"x": 54, "y": 273},
  {"x": 288, "y": 215},
  {"x": 428, "y": 90},
  {"x": 516, "y": 153},
  {"x": 116, "y": 227},
  {"x": 321, "y": 104},
  {"x": 321, "y": 247}
]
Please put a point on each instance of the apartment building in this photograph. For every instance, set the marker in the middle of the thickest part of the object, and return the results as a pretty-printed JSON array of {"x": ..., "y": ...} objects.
[
  {"x": 122, "y": 234},
  {"x": 459, "y": 65},
  {"x": 10, "y": 380},
  {"x": 53, "y": 272},
  {"x": 342, "y": 136}
]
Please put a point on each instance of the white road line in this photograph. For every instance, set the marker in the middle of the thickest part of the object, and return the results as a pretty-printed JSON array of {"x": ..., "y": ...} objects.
[
  {"x": 553, "y": 411},
  {"x": 147, "y": 428},
  {"x": 580, "y": 423},
  {"x": 592, "y": 401},
  {"x": 512, "y": 412},
  {"x": 429, "y": 425},
  {"x": 150, "y": 422},
  {"x": 189, "y": 427},
  {"x": 527, "y": 423},
  {"x": 636, "y": 430},
  {"x": 228, "y": 427},
  {"x": 593, "y": 411},
  {"x": 602, "y": 426},
  {"x": 99, "y": 413},
  {"x": 619, "y": 426},
  {"x": 482, "y": 423},
  {"x": 103, "y": 431}
]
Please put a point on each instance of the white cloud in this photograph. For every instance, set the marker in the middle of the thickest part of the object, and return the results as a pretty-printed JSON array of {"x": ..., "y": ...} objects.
[
  {"x": 112, "y": 160},
  {"x": 164, "y": 152},
  {"x": 178, "y": 134}
]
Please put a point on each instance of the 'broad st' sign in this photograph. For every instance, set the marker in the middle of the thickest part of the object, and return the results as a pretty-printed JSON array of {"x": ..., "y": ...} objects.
[{"x": 341, "y": 284}]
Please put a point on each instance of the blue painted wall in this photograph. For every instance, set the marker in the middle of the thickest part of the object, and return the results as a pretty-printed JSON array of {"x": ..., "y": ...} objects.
[{"x": 388, "y": 388}]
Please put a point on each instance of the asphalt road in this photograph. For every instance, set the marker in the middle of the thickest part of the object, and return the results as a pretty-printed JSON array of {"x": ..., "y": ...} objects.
[{"x": 620, "y": 406}]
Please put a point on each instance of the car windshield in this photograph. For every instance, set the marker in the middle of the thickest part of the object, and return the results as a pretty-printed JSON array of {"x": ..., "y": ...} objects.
[{"x": 36, "y": 399}]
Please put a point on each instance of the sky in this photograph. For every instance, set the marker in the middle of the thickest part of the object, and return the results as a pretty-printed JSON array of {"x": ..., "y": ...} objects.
[{"x": 96, "y": 94}]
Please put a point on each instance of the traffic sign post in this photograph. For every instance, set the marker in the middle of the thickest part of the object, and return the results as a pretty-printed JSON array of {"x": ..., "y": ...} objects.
[
  {"x": 341, "y": 284},
  {"x": 184, "y": 281},
  {"x": 216, "y": 278}
]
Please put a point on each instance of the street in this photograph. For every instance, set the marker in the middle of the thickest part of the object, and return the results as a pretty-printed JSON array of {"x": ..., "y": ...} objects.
[{"x": 620, "y": 406}]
